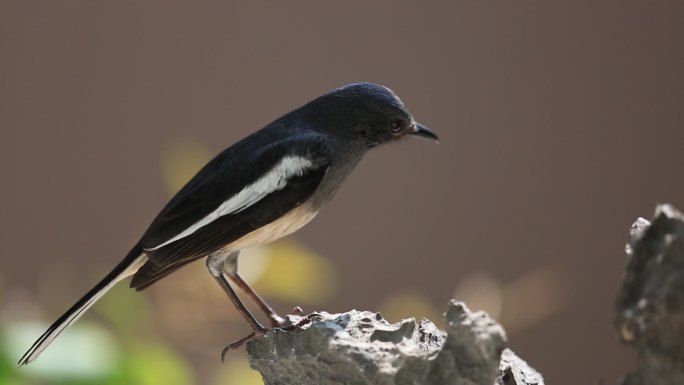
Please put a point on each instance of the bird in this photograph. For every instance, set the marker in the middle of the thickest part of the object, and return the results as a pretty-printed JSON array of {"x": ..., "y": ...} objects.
[{"x": 262, "y": 188}]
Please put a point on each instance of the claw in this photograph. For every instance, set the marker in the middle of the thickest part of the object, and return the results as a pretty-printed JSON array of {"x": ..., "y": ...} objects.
[
  {"x": 237, "y": 344},
  {"x": 299, "y": 325}
]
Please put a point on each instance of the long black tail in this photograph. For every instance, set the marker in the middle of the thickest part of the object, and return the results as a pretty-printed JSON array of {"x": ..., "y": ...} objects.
[{"x": 128, "y": 266}]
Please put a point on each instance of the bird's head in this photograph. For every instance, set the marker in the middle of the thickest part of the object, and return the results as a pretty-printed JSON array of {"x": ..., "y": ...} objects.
[{"x": 370, "y": 114}]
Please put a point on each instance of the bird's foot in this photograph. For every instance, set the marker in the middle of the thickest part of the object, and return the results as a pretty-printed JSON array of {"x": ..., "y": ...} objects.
[
  {"x": 299, "y": 326},
  {"x": 237, "y": 344},
  {"x": 282, "y": 327}
]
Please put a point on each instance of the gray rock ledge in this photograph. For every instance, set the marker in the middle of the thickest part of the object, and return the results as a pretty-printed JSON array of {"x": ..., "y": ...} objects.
[
  {"x": 650, "y": 304},
  {"x": 360, "y": 347}
]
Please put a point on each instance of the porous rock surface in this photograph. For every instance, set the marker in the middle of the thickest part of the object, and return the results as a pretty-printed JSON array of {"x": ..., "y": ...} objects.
[
  {"x": 650, "y": 304},
  {"x": 360, "y": 347}
]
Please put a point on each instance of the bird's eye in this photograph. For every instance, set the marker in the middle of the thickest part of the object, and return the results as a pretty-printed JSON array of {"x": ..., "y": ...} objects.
[{"x": 397, "y": 126}]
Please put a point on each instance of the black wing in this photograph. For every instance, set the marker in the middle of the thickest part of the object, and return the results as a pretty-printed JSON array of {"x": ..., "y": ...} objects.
[{"x": 222, "y": 178}]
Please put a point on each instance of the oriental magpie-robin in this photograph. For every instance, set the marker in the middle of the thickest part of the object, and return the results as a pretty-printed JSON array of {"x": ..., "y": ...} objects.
[{"x": 262, "y": 188}]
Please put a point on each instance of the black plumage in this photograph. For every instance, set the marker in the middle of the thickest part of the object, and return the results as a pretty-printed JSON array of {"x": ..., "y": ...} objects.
[{"x": 218, "y": 180}]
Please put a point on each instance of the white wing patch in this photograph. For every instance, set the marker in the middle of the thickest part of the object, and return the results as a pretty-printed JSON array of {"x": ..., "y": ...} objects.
[{"x": 274, "y": 180}]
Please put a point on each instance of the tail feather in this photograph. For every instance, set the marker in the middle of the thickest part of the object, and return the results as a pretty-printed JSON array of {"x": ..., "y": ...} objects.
[{"x": 127, "y": 267}]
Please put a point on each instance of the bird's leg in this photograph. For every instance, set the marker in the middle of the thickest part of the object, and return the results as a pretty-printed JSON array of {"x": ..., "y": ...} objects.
[
  {"x": 215, "y": 265},
  {"x": 223, "y": 267},
  {"x": 230, "y": 268}
]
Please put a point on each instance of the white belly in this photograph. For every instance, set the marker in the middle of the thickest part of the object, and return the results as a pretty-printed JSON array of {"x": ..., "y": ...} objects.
[{"x": 283, "y": 226}]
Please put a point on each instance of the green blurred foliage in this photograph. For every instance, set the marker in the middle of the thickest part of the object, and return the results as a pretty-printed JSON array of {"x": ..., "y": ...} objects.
[
  {"x": 152, "y": 364},
  {"x": 89, "y": 353},
  {"x": 237, "y": 372}
]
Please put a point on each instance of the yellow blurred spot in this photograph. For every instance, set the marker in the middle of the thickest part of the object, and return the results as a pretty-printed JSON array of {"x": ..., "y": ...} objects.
[
  {"x": 408, "y": 305},
  {"x": 180, "y": 161},
  {"x": 481, "y": 292},
  {"x": 237, "y": 372},
  {"x": 520, "y": 304},
  {"x": 627, "y": 332},
  {"x": 295, "y": 273},
  {"x": 533, "y": 297}
]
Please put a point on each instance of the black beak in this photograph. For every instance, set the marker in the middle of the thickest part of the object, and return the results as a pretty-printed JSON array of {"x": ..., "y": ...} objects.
[{"x": 420, "y": 130}]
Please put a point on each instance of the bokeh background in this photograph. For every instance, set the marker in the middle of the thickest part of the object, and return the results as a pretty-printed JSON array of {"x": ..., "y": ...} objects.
[{"x": 560, "y": 123}]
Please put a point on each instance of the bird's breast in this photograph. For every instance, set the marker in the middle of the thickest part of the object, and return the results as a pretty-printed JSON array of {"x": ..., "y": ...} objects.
[{"x": 292, "y": 221}]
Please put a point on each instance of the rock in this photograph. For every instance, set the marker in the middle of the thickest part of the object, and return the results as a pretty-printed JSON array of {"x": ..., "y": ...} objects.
[
  {"x": 360, "y": 347},
  {"x": 650, "y": 304},
  {"x": 514, "y": 371}
]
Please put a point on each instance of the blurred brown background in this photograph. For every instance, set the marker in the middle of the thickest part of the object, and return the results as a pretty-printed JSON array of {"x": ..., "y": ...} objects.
[{"x": 560, "y": 123}]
